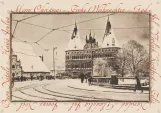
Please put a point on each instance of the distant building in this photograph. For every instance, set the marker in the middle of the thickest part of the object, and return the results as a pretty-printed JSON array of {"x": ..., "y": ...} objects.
[
  {"x": 16, "y": 67},
  {"x": 58, "y": 72},
  {"x": 79, "y": 58},
  {"x": 32, "y": 65}
]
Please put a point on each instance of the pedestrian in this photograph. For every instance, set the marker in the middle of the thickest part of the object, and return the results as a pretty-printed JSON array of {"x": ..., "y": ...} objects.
[
  {"x": 138, "y": 85},
  {"x": 86, "y": 77},
  {"x": 31, "y": 77},
  {"x": 82, "y": 77},
  {"x": 21, "y": 78},
  {"x": 89, "y": 79}
]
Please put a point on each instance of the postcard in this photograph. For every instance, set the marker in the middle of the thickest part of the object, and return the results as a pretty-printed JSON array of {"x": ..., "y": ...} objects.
[{"x": 86, "y": 56}]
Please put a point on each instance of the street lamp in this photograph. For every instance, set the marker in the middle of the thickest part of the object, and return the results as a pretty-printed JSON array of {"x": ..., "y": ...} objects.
[
  {"x": 54, "y": 48},
  {"x": 92, "y": 62}
]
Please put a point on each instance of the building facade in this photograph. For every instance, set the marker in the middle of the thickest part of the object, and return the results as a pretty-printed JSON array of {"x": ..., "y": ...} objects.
[
  {"x": 80, "y": 58},
  {"x": 16, "y": 67},
  {"x": 25, "y": 64}
]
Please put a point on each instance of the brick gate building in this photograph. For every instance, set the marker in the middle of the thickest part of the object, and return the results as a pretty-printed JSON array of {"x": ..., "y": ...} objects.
[{"x": 79, "y": 58}]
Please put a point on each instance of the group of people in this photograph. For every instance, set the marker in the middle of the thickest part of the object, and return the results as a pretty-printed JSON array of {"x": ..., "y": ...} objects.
[
  {"x": 23, "y": 78},
  {"x": 86, "y": 76}
]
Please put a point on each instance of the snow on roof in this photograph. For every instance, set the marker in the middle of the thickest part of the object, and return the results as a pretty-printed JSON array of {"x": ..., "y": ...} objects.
[
  {"x": 58, "y": 68},
  {"x": 29, "y": 61},
  {"x": 110, "y": 40},
  {"x": 75, "y": 43}
]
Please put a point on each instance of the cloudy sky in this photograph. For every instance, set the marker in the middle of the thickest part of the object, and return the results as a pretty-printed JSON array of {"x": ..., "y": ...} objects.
[{"x": 127, "y": 26}]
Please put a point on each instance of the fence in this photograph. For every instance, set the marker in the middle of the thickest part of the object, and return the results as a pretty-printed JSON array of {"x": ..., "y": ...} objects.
[{"x": 120, "y": 82}]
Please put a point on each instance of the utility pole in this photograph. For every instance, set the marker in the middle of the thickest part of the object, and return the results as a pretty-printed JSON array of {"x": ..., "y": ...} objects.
[
  {"x": 92, "y": 63},
  {"x": 54, "y": 59}
]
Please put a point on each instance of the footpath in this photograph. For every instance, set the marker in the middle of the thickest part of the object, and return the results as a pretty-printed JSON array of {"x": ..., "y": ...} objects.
[{"x": 76, "y": 84}]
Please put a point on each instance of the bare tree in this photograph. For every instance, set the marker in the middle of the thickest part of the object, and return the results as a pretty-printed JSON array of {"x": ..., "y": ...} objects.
[
  {"x": 121, "y": 58},
  {"x": 99, "y": 67},
  {"x": 136, "y": 54},
  {"x": 144, "y": 69}
]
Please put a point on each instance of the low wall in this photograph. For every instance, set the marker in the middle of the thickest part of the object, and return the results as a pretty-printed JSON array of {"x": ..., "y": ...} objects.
[{"x": 121, "y": 80}]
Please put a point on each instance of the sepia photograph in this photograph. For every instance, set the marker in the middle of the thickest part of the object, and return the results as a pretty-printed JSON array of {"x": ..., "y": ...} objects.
[{"x": 80, "y": 57}]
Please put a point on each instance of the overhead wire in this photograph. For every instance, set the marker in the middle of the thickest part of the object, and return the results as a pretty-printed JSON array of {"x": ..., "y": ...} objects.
[
  {"x": 26, "y": 18},
  {"x": 53, "y": 29},
  {"x": 68, "y": 25},
  {"x": 17, "y": 21},
  {"x": 24, "y": 54},
  {"x": 67, "y": 31}
]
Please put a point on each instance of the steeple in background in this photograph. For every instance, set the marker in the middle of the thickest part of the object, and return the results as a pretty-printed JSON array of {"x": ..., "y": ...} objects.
[
  {"x": 108, "y": 27},
  {"x": 74, "y": 31},
  {"x": 75, "y": 41},
  {"x": 90, "y": 42},
  {"x": 109, "y": 38}
]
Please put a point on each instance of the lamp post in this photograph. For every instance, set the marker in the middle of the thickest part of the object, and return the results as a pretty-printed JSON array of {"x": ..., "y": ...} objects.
[
  {"x": 92, "y": 62},
  {"x": 54, "y": 48}
]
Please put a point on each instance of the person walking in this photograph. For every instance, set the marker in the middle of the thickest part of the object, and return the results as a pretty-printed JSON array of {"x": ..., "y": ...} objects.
[
  {"x": 89, "y": 79},
  {"x": 82, "y": 77},
  {"x": 138, "y": 85},
  {"x": 21, "y": 78},
  {"x": 86, "y": 77}
]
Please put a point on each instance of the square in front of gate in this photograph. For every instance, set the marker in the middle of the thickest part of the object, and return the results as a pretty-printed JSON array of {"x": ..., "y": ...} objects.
[{"x": 85, "y": 57}]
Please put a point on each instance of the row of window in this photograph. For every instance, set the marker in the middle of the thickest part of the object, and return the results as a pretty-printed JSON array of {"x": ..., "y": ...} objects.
[
  {"x": 88, "y": 57},
  {"x": 87, "y": 65},
  {"x": 96, "y": 51},
  {"x": 109, "y": 44}
]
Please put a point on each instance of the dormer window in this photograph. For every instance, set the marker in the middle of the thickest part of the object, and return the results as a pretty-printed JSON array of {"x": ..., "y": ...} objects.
[{"x": 113, "y": 40}]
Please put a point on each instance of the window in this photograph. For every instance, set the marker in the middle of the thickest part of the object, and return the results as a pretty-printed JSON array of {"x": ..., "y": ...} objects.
[
  {"x": 113, "y": 40},
  {"x": 13, "y": 66},
  {"x": 13, "y": 74}
]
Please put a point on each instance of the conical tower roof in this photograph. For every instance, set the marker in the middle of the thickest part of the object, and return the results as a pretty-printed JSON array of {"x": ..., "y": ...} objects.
[
  {"x": 109, "y": 39},
  {"x": 75, "y": 41}
]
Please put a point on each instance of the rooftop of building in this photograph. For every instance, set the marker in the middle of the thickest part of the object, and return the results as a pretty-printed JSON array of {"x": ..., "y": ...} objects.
[
  {"x": 109, "y": 39},
  {"x": 29, "y": 61}
]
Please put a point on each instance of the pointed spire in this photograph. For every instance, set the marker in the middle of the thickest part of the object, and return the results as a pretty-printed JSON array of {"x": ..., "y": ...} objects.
[
  {"x": 42, "y": 58},
  {"x": 108, "y": 27},
  {"x": 74, "y": 31},
  {"x": 93, "y": 40},
  {"x": 86, "y": 39},
  {"x": 75, "y": 27},
  {"x": 90, "y": 34}
]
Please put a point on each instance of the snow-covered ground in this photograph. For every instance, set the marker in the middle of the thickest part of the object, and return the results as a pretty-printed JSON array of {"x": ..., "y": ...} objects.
[{"x": 71, "y": 90}]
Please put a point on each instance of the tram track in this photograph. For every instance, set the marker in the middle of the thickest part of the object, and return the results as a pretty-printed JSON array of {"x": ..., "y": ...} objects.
[
  {"x": 44, "y": 93},
  {"x": 85, "y": 97}
]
